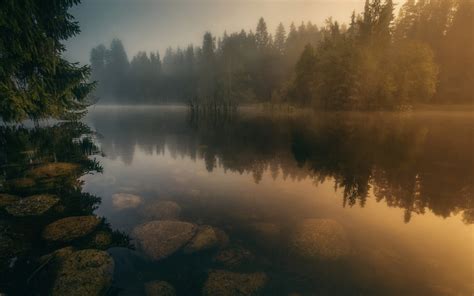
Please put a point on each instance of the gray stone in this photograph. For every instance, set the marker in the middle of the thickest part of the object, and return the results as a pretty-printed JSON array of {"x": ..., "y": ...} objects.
[
  {"x": 322, "y": 239},
  {"x": 32, "y": 206},
  {"x": 226, "y": 283},
  {"x": 85, "y": 272},
  {"x": 233, "y": 257},
  {"x": 160, "y": 239},
  {"x": 70, "y": 228}
]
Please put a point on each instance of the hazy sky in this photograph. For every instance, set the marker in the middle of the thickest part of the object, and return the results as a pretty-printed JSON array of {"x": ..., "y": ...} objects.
[{"x": 157, "y": 24}]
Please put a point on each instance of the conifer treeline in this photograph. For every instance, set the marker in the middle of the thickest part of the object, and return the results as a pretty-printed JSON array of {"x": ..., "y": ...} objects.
[{"x": 376, "y": 62}]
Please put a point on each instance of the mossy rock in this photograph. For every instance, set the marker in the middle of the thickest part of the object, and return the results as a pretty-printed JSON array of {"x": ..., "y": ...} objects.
[
  {"x": 7, "y": 199},
  {"x": 70, "y": 228},
  {"x": 161, "y": 210},
  {"x": 226, "y": 283},
  {"x": 205, "y": 239},
  {"x": 159, "y": 288},
  {"x": 321, "y": 239},
  {"x": 35, "y": 205},
  {"x": 20, "y": 184},
  {"x": 160, "y": 239},
  {"x": 53, "y": 169},
  {"x": 85, "y": 272}
]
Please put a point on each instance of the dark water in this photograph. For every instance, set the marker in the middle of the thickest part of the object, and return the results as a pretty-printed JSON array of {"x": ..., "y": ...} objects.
[{"x": 400, "y": 186}]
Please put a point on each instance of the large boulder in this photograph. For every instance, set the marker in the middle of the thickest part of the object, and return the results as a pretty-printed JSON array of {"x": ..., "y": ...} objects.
[
  {"x": 160, "y": 239},
  {"x": 125, "y": 200},
  {"x": 161, "y": 210},
  {"x": 35, "y": 205},
  {"x": 321, "y": 239},
  {"x": 159, "y": 288},
  {"x": 70, "y": 228},
  {"x": 206, "y": 238},
  {"x": 85, "y": 272},
  {"x": 226, "y": 283}
]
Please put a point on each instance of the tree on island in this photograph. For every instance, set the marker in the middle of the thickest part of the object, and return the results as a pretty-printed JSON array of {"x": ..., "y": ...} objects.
[{"x": 36, "y": 82}]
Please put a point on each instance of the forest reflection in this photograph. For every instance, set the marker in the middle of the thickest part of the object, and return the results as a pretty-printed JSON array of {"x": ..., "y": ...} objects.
[{"x": 416, "y": 162}]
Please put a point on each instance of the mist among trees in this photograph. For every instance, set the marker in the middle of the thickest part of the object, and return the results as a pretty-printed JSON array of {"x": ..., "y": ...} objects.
[{"x": 377, "y": 61}]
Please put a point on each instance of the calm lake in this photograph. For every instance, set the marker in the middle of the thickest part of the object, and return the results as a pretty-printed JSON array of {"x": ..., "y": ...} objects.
[{"x": 301, "y": 204}]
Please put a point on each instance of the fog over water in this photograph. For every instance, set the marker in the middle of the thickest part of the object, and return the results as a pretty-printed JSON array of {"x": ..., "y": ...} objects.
[{"x": 156, "y": 24}]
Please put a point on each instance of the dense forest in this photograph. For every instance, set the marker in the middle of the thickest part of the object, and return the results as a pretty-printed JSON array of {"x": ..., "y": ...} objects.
[{"x": 377, "y": 61}]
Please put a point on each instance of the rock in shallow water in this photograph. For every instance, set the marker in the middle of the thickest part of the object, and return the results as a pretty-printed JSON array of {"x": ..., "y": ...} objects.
[
  {"x": 226, "y": 283},
  {"x": 159, "y": 288},
  {"x": 32, "y": 206},
  {"x": 125, "y": 200},
  {"x": 53, "y": 169},
  {"x": 161, "y": 210},
  {"x": 70, "y": 228},
  {"x": 7, "y": 199},
  {"x": 160, "y": 239},
  {"x": 322, "y": 239},
  {"x": 205, "y": 239},
  {"x": 86, "y": 272}
]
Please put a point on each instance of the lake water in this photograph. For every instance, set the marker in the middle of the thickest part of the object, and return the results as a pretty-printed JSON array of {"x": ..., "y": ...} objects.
[{"x": 317, "y": 203}]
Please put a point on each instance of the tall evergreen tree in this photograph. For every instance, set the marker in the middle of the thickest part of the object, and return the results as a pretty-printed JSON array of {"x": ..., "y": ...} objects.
[{"x": 35, "y": 81}]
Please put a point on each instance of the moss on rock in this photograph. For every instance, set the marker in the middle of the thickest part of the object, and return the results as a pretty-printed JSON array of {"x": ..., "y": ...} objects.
[
  {"x": 85, "y": 272},
  {"x": 32, "y": 206},
  {"x": 70, "y": 228}
]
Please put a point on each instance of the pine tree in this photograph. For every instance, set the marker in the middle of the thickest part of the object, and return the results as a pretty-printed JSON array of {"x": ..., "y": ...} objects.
[
  {"x": 35, "y": 81},
  {"x": 261, "y": 35},
  {"x": 280, "y": 39}
]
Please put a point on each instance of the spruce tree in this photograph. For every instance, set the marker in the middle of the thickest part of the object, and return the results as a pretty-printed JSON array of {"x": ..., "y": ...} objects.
[{"x": 36, "y": 82}]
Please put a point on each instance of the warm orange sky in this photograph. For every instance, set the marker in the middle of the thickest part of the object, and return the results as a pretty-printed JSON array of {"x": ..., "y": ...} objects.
[{"x": 156, "y": 24}]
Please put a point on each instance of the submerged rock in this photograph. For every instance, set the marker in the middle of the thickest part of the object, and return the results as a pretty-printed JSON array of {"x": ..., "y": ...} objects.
[
  {"x": 159, "y": 288},
  {"x": 226, "y": 283},
  {"x": 126, "y": 200},
  {"x": 85, "y": 272},
  {"x": 233, "y": 257},
  {"x": 162, "y": 210},
  {"x": 322, "y": 239},
  {"x": 7, "y": 199},
  {"x": 32, "y": 206},
  {"x": 159, "y": 239},
  {"x": 23, "y": 184},
  {"x": 70, "y": 228},
  {"x": 53, "y": 169},
  {"x": 205, "y": 239}
]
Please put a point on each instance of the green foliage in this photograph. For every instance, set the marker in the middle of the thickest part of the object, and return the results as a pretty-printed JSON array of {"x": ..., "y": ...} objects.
[{"x": 35, "y": 81}]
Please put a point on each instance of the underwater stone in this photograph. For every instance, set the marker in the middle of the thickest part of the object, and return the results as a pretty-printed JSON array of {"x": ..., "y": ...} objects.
[
  {"x": 205, "y": 239},
  {"x": 125, "y": 200},
  {"x": 226, "y": 283},
  {"x": 32, "y": 206},
  {"x": 159, "y": 239},
  {"x": 85, "y": 272},
  {"x": 322, "y": 239},
  {"x": 162, "y": 210},
  {"x": 233, "y": 257},
  {"x": 70, "y": 228},
  {"x": 7, "y": 199},
  {"x": 159, "y": 288},
  {"x": 53, "y": 169}
]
